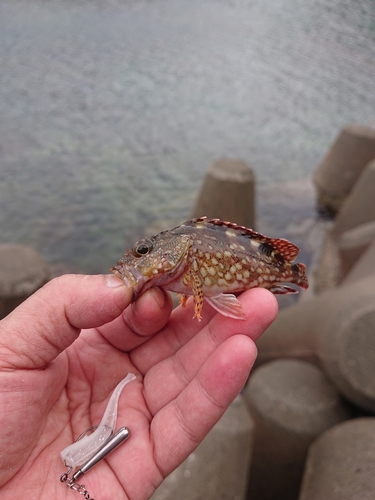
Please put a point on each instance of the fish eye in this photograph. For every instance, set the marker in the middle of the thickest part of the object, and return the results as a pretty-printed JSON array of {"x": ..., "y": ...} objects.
[{"x": 142, "y": 248}]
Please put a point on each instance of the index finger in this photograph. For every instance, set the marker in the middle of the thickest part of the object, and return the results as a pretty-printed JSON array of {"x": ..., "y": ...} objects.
[{"x": 139, "y": 322}]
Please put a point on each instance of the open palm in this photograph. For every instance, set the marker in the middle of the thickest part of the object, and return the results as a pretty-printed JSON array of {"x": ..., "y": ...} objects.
[{"x": 63, "y": 351}]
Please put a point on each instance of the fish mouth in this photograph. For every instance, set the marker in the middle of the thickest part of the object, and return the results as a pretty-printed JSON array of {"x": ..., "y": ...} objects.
[{"x": 132, "y": 277}]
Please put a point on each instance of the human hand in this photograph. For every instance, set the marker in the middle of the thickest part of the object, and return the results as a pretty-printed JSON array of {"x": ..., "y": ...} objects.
[{"x": 64, "y": 350}]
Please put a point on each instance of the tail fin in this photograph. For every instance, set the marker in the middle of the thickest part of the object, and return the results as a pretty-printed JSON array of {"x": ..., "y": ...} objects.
[{"x": 299, "y": 275}]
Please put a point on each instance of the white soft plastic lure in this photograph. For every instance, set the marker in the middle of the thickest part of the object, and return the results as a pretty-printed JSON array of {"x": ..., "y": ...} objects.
[{"x": 82, "y": 450}]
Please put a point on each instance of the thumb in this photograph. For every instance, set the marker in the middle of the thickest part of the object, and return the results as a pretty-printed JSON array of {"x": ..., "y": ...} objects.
[{"x": 51, "y": 319}]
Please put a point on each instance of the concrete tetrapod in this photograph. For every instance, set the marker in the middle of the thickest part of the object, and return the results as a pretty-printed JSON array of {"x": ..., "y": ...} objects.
[
  {"x": 228, "y": 193},
  {"x": 335, "y": 329},
  {"x": 22, "y": 271},
  {"x": 218, "y": 468},
  {"x": 340, "y": 463},
  {"x": 352, "y": 150},
  {"x": 292, "y": 403},
  {"x": 359, "y": 205},
  {"x": 363, "y": 267},
  {"x": 353, "y": 243},
  {"x": 350, "y": 233}
]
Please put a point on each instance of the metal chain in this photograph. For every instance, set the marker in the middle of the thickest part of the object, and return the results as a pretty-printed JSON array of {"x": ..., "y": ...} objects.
[{"x": 79, "y": 488}]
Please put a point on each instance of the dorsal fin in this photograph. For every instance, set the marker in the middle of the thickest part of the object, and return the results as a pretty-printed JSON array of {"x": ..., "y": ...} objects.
[
  {"x": 245, "y": 231},
  {"x": 285, "y": 248},
  {"x": 276, "y": 246}
]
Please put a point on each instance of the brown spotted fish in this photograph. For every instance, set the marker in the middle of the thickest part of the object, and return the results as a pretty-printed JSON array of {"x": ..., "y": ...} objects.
[{"x": 213, "y": 260}]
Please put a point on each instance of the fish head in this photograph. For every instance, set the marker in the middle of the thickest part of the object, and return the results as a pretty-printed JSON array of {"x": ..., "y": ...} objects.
[{"x": 153, "y": 261}]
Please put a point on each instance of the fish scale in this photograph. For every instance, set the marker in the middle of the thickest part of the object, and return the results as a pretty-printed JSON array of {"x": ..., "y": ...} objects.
[{"x": 214, "y": 260}]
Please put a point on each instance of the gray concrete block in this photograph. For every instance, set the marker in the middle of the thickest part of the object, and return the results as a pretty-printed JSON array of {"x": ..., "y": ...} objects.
[
  {"x": 218, "y": 468},
  {"x": 291, "y": 402},
  {"x": 335, "y": 329},
  {"x": 327, "y": 271},
  {"x": 349, "y": 235},
  {"x": 359, "y": 205},
  {"x": 353, "y": 243},
  {"x": 339, "y": 256},
  {"x": 340, "y": 463},
  {"x": 22, "y": 271},
  {"x": 291, "y": 335},
  {"x": 346, "y": 342},
  {"x": 339, "y": 170},
  {"x": 228, "y": 193},
  {"x": 363, "y": 267}
]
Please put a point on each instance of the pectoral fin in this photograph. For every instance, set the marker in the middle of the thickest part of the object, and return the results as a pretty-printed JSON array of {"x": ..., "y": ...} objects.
[{"x": 227, "y": 304}]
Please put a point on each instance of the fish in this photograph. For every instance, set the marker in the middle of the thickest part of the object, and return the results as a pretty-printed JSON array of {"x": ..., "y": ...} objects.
[{"x": 212, "y": 260}]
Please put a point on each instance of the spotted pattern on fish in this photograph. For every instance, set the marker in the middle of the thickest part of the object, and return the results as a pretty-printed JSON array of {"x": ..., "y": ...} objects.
[{"x": 211, "y": 259}]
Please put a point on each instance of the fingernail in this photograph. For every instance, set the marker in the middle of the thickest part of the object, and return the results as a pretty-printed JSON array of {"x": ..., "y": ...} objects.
[
  {"x": 158, "y": 296},
  {"x": 113, "y": 281}
]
